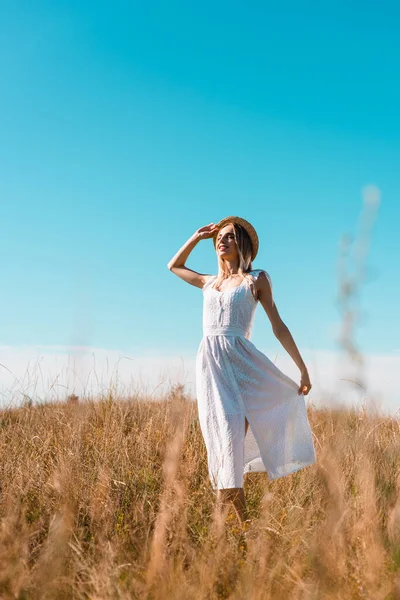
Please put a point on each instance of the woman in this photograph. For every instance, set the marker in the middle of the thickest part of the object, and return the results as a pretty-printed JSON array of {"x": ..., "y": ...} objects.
[{"x": 237, "y": 385}]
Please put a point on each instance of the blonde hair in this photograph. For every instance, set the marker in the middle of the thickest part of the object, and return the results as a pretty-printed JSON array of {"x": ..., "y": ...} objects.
[{"x": 244, "y": 247}]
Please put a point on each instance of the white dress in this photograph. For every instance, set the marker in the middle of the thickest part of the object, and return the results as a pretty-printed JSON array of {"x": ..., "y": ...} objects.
[{"x": 235, "y": 380}]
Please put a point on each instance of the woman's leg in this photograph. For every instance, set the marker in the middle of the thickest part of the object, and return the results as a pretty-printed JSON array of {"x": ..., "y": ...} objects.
[{"x": 237, "y": 498}]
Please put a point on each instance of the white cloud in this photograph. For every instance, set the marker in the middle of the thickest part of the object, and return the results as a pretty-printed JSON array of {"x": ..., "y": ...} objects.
[{"x": 54, "y": 372}]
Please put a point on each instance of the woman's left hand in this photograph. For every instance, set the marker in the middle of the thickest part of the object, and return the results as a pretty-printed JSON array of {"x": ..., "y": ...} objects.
[{"x": 305, "y": 384}]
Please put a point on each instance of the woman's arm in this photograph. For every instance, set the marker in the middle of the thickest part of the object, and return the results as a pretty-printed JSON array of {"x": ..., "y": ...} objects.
[
  {"x": 281, "y": 331},
  {"x": 177, "y": 263}
]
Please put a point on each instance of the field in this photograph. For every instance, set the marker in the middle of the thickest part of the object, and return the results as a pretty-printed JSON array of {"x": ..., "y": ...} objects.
[{"x": 111, "y": 499}]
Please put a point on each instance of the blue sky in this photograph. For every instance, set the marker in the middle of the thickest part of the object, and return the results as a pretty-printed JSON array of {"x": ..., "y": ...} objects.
[{"x": 125, "y": 126}]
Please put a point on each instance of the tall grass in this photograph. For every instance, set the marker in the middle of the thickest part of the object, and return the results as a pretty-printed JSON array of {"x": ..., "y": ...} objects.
[{"x": 111, "y": 499}]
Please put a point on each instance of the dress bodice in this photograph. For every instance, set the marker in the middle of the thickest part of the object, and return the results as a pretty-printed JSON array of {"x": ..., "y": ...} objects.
[{"x": 230, "y": 312}]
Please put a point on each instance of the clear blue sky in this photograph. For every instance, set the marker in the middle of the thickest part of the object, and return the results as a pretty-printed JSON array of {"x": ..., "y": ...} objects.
[{"x": 125, "y": 126}]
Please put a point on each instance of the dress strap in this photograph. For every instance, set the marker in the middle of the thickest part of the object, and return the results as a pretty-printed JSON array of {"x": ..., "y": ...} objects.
[
  {"x": 256, "y": 273},
  {"x": 209, "y": 281}
]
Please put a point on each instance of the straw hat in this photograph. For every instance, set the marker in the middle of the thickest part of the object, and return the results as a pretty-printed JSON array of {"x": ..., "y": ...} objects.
[{"x": 246, "y": 225}]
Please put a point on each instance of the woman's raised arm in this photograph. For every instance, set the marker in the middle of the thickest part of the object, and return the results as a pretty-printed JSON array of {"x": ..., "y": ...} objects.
[{"x": 177, "y": 263}]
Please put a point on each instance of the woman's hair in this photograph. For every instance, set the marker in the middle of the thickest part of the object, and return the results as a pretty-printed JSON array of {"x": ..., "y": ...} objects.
[{"x": 244, "y": 246}]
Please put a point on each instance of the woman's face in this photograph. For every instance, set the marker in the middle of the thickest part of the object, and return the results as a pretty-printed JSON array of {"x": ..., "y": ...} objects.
[{"x": 225, "y": 244}]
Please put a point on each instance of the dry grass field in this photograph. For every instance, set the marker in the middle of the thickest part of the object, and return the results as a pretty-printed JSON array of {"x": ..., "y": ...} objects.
[{"x": 111, "y": 499}]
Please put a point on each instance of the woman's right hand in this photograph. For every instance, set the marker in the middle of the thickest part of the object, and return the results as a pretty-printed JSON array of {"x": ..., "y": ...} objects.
[{"x": 206, "y": 232}]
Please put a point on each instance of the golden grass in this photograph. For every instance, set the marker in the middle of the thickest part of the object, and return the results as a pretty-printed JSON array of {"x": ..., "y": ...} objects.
[{"x": 111, "y": 499}]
